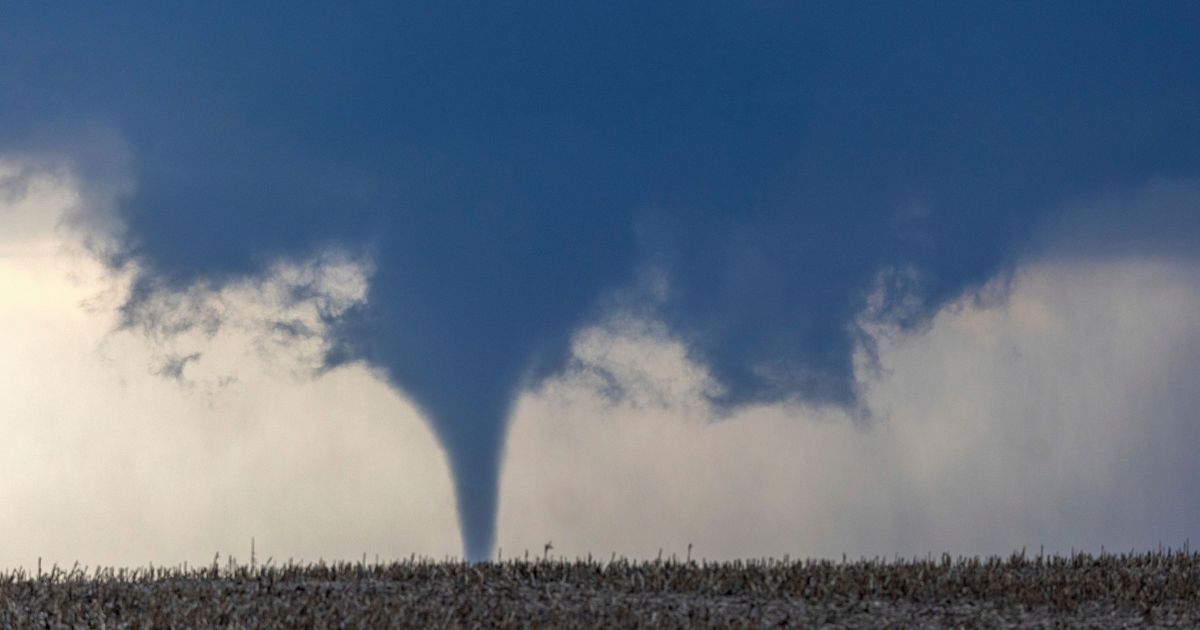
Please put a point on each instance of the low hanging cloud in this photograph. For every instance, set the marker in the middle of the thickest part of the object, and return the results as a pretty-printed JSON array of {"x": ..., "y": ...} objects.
[
  {"x": 210, "y": 422},
  {"x": 1055, "y": 407}
]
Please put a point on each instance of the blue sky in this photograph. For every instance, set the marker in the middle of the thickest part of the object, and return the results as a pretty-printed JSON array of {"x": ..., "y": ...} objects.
[{"x": 750, "y": 175}]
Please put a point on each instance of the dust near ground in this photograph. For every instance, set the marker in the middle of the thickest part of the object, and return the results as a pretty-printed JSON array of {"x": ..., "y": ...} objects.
[{"x": 1130, "y": 590}]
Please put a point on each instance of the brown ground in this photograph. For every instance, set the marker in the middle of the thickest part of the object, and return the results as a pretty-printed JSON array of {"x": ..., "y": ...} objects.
[{"x": 1157, "y": 589}]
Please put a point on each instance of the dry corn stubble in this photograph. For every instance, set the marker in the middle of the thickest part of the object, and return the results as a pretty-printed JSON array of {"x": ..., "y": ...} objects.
[{"x": 1109, "y": 590}]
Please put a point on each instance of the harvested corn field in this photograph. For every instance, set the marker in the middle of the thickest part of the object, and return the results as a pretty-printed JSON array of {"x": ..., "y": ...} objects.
[{"x": 1152, "y": 589}]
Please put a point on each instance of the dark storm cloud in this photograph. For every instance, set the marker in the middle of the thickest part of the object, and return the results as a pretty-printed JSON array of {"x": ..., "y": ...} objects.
[
  {"x": 507, "y": 165},
  {"x": 1161, "y": 220}
]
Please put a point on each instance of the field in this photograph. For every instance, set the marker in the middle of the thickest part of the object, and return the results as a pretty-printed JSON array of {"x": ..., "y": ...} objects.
[{"x": 1109, "y": 590}]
